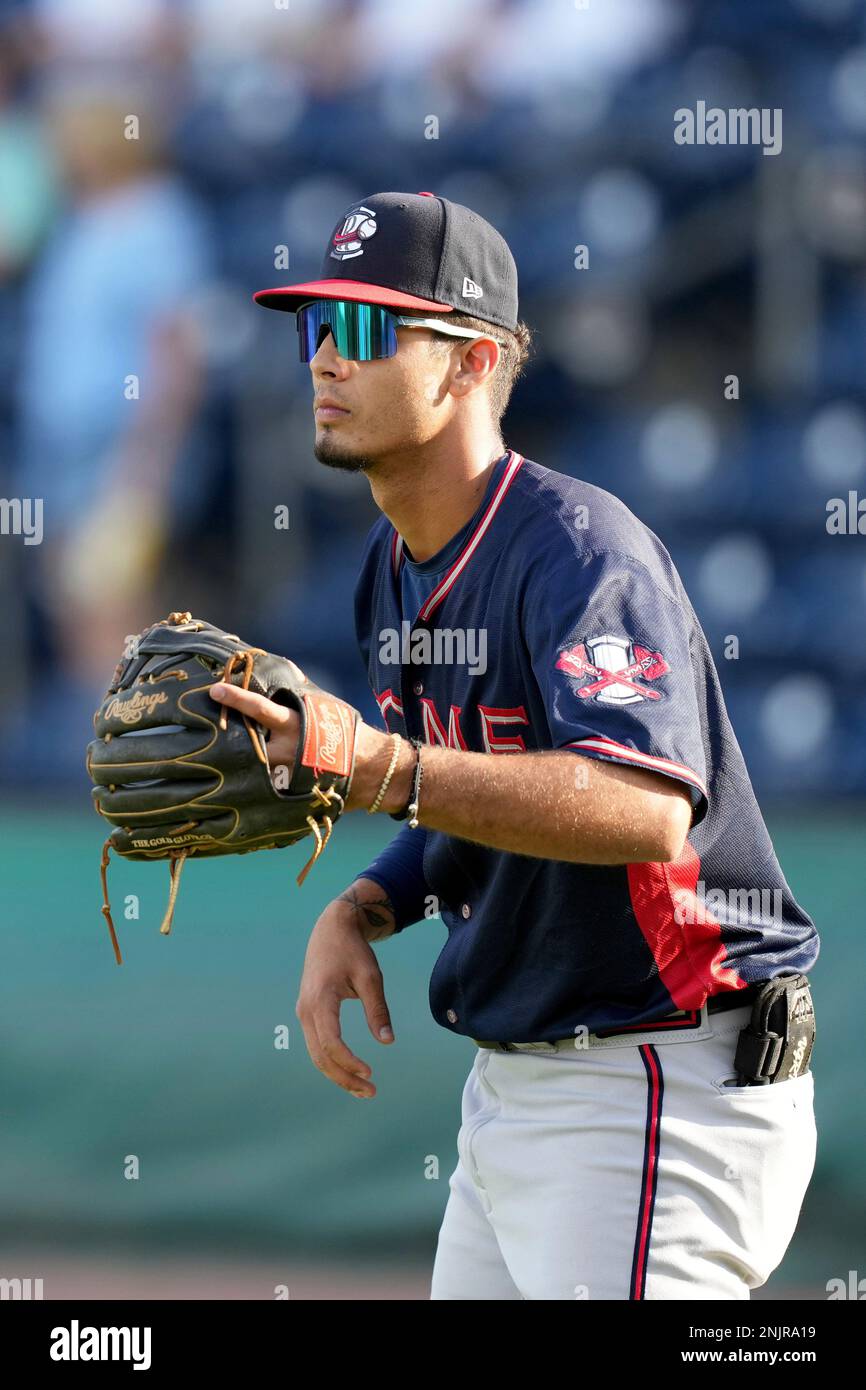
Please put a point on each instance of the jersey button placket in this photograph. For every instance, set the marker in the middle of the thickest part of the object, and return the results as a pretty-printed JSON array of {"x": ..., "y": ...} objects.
[{"x": 411, "y": 681}]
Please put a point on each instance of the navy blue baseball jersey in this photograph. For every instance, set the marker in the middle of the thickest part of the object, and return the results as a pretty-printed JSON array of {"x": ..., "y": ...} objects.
[{"x": 557, "y": 620}]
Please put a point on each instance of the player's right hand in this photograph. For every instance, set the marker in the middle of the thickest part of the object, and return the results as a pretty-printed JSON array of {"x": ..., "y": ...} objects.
[{"x": 341, "y": 964}]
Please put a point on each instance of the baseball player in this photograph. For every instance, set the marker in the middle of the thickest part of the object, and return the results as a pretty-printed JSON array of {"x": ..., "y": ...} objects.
[{"x": 623, "y": 948}]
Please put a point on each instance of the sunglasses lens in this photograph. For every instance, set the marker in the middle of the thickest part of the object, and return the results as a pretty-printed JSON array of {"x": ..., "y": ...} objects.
[{"x": 361, "y": 332}]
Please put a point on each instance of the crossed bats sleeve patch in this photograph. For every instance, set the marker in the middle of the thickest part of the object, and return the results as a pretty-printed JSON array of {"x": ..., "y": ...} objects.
[
  {"x": 612, "y": 657},
  {"x": 614, "y": 670}
]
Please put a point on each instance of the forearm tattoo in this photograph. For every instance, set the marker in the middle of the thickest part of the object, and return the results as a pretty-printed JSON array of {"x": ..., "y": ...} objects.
[{"x": 375, "y": 915}]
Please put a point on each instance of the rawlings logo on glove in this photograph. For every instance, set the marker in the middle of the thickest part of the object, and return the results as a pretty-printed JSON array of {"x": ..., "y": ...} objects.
[{"x": 131, "y": 711}]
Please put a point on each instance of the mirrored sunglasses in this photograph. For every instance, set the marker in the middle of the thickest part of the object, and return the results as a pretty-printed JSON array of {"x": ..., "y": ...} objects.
[{"x": 362, "y": 332}]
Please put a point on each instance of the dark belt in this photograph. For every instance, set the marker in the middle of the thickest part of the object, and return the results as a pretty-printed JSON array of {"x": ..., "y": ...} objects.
[
  {"x": 717, "y": 1003},
  {"x": 732, "y": 999}
]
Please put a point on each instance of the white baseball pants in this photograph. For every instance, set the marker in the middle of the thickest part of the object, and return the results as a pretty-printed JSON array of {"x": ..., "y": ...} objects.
[{"x": 624, "y": 1169}]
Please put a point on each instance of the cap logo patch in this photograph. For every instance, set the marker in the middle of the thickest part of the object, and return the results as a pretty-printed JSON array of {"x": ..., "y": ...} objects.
[
  {"x": 348, "y": 240},
  {"x": 470, "y": 289}
]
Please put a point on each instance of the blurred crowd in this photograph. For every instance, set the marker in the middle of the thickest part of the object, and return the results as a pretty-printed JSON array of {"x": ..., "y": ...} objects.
[{"x": 161, "y": 161}]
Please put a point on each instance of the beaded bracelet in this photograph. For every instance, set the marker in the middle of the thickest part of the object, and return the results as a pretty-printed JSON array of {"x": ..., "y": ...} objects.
[{"x": 380, "y": 796}]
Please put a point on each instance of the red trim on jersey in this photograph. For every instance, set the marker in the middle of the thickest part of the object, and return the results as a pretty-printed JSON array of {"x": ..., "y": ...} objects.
[
  {"x": 689, "y": 954},
  {"x": 448, "y": 580},
  {"x": 599, "y": 744}
]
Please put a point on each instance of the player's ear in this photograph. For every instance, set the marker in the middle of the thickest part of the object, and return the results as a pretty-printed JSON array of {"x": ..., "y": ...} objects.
[{"x": 476, "y": 363}]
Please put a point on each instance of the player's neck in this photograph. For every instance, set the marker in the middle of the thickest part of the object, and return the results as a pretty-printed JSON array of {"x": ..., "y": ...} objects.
[{"x": 435, "y": 492}]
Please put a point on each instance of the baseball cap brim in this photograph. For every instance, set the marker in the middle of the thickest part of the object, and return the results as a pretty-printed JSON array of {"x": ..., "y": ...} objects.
[{"x": 291, "y": 297}]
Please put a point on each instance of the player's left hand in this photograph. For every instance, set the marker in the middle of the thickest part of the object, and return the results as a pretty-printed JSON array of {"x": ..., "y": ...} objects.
[
  {"x": 372, "y": 748},
  {"x": 283, "y": 724}
]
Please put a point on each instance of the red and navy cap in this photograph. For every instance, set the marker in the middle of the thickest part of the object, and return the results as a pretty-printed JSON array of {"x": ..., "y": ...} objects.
[{"x": 412, "y": 251}]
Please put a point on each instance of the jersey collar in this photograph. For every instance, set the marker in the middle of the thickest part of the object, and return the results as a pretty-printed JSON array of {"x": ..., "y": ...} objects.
[{"x": 449, "y": 579}]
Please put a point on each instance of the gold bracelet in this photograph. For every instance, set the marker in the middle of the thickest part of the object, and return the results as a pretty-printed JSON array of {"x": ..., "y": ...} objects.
[{"x": 388, "y": 775}]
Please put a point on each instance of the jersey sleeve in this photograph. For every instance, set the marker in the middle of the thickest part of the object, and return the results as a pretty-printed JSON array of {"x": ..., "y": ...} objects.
[
  {"x": 611, "y": 650},
  {"x": 399, "y": 870}
]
